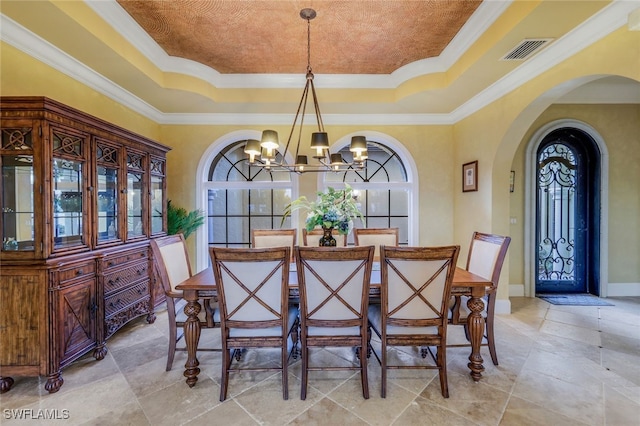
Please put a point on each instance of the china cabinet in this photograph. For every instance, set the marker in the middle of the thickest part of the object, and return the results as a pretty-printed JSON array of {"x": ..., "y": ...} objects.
[{"x": 80, "y": 198}]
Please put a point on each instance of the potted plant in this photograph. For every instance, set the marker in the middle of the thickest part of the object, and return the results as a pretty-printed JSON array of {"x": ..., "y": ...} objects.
[
  {"x": 332, "y": 209},
  {"x": 181, "y": 221}
]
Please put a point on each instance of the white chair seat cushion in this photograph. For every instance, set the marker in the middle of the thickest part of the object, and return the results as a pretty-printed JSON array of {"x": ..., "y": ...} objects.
[
  {"x": 271, "y": 331},
  {"x": 375, "y": 318}
]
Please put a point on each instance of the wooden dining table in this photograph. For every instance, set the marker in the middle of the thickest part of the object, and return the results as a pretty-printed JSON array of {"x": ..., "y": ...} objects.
[{"x": 464, "y": 283}]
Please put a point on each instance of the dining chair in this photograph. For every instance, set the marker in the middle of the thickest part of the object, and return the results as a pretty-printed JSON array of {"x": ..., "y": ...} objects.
[
  {"x": 172, "y": 266},
  {"x": 253, "y": 295},
  {"x": 316, "y": 233},
  {"x": 486, "y": 256},
  {"x": 415, "y": 289},
  {"x": 334, "y": 295},
  {"x": 267, "y": 238},
  {"x": 375, "y": 237}
]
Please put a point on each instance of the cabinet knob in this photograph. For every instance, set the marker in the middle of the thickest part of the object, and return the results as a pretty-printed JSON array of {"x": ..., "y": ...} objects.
[{"x": 79, "y": 272}]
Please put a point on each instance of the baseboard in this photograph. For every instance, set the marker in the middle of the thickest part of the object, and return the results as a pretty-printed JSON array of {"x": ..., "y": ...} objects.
[
  {"x": 516, "y": 290},
  {"x": 613, "y": 290},
  {"x": 503, "y": 306},
  {"x": 623, "y": 289}
]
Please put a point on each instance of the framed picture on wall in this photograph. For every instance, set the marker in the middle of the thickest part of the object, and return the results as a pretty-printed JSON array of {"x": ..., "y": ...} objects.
[{"x": 470, "y": 176}]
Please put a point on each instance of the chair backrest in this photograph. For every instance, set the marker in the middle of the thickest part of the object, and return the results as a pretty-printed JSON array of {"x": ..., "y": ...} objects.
[
  {"x": 486, "y": 255},
  {"x": 267, "y": 238},
  {"x": 334, "y": 285},
  {"x": 315, "y": 235},
  {"x": 171, "y": 260},
  {"x": 416, "y": 285},
  {"x": 253, "y": 286},
  {"x": 376, "y": 237}
]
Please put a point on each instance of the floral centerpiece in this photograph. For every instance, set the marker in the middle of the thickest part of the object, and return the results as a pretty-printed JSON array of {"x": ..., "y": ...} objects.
[{"x": 332, "y": 209}]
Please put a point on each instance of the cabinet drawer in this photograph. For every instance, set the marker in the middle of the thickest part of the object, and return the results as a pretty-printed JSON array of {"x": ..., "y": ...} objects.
[
  {"x": 129, "y": 256},
  {"x": 130, "y": 296},
  {"x": 125, "y": 276},
  {"x": 84, "y": 270}
]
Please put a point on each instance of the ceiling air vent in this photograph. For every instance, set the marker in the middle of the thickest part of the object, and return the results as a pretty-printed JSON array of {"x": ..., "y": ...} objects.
[{"x": 525, "y": 49}]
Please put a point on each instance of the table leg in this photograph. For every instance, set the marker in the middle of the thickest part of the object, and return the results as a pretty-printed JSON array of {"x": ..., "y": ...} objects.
[
  {"x": 475, "y": 325},
  {"x": 191, "y": 336}
]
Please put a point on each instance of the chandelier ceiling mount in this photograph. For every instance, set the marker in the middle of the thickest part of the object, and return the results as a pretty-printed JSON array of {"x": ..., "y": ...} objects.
[{"x": 263, "y": 153}]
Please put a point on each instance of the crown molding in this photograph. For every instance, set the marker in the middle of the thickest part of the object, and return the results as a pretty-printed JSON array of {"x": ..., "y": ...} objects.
[
  {"x": 24, "y": 40},
  {"x": 601, "y": 24},
  {"x": 122, "y": 22}
]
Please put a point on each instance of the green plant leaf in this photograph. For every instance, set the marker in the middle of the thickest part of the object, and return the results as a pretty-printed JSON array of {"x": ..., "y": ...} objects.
[{"x": 181, "y": 221}]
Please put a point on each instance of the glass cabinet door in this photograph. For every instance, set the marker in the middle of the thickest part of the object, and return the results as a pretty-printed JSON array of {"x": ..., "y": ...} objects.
[
  {"x": 67, "y": 203},
  {"x": 157, "y": 204},
  {"x": 157, "y": 194},
  {"x": 135, "y": 226},
  {"x": 17, "y": 202},
  {"x": 137, "y": 165},
  {"x": 107, "y": 204}
]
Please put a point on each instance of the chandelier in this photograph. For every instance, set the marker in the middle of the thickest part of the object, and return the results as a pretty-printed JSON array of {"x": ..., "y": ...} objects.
[{"x": 263, "y": 153}]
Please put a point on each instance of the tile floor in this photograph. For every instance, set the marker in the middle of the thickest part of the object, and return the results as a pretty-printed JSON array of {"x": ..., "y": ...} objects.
[{"x": 560, "y": 365}]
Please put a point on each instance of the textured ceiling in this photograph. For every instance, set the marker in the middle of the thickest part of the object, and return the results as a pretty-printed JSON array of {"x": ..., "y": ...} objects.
[
  {"x": 347, "y": 37},
  {"x": 375, "y": 62}
]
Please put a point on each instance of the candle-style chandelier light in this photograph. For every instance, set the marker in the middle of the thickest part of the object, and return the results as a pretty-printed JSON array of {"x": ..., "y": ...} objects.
[{"x": 263, "y": 153}]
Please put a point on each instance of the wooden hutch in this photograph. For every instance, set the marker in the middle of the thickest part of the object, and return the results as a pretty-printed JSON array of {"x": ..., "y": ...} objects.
[{"x": 80, "y": 199}]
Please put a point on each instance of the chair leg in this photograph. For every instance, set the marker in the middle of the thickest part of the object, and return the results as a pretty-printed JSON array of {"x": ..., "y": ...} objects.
[
  {"x": 209, "y": 311},
  {"x": 285, "y": 370},
  {"x": 305, "y": 372},
  {"x": 442, "y": 370},
  {"x": 173, "y": 337},
  {"x": 455, "y": 310},
  {"x": 363, "y": 368},
  {"x": 490, "y": 340},
  {"x": 226, "y": 364},
  {"x": 383, "y": 366}
]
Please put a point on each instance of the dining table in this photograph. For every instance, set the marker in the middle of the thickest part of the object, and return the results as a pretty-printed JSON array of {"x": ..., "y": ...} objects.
[{"x": 465, "y": 283}]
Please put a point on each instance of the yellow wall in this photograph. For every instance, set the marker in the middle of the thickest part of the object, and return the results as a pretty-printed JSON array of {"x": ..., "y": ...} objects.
[
  {"x": 21, "y": 75},
  {"x": 430, "y": 146},
  {"x": 491, "y": 136}
]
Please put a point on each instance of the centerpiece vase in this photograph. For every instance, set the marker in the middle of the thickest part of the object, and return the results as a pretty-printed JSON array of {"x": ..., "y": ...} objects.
[{"x": 327, "y": 239}]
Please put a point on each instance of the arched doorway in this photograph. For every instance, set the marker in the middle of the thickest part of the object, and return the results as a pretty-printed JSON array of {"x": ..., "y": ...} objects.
[{"x": 567, "y": 213}]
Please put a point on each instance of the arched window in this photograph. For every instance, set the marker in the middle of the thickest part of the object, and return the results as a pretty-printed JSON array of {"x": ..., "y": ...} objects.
[
  {"x": 241, "y": 198},
  {"x": 237, "y": 198},
  {"x": 383, "y": 189}
]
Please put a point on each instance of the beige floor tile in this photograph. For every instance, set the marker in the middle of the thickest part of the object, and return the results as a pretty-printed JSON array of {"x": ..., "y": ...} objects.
[
  {"x": 225, "y": 414},
  {"x": 580, "y": 334},
  {"x": 264, "y": 401},
  {"x": 620, "y": 410},
  {"x": 130, "y": 414},
  {"x": 327, "y": 412},
  {"x": 422, "y": 411},
  {"x": 556, "y": 367},
  {"x": 525, "y": 413},
  {"x": 179, "y": 403},
  {"x": 469, "y": 399},
  {"x": 375, "y": 410},
  {"x": 576, "y": 401}
]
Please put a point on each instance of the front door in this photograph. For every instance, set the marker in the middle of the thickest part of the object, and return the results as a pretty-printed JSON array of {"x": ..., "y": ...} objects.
[{"x": 567, "y": 213}]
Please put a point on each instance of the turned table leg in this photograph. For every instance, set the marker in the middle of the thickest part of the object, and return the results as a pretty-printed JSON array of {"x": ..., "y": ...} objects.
[
  {"x": 192, "y": 336},
  {"x": 476, "y": 324}
]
